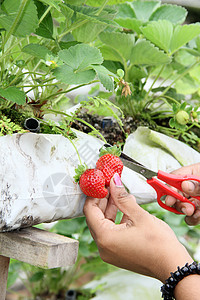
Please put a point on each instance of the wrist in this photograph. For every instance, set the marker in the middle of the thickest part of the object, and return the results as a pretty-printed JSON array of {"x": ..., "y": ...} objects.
[
  {"x": 179, "y": 282},
  {"x": 173, "y": 256},
  {"x": 185, "y": 290}
]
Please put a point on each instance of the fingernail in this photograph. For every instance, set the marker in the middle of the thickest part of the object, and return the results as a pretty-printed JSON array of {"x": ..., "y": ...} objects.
[
  {"x": 117, "y": 180},
  {"x": 191, "y": 187},
  {"x": 184, "y": 211}
]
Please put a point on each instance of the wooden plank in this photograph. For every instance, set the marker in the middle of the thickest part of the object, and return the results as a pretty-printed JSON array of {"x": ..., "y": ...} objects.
[
  {"x": 39, "y": 247},
  {"x": 4, "y": 265}
]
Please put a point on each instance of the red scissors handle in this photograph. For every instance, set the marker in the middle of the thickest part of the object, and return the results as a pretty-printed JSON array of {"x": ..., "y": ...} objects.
[{"x": 175, "y": 181}]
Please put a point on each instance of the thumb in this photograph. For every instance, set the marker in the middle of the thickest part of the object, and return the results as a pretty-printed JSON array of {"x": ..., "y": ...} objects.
[
  {"x": 125, "y": 202},
  {"x": 191, "y": 188}
]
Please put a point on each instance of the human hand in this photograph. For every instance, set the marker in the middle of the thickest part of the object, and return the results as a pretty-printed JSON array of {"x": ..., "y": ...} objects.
[
  {"x": 190, "y": 188},
  {"x": 141, "y": 242}
]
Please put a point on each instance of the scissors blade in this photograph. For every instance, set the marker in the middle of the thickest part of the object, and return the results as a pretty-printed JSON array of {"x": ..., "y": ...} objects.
[{"x": 140, "y": 169}]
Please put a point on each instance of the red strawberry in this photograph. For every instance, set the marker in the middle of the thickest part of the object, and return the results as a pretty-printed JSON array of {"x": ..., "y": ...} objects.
[
  {"x": 92, "y": 183},
  {"x": 109, "y": 164}
]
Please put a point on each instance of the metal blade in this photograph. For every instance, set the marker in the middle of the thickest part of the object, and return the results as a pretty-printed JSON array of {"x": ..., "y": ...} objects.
[{"x": 140, "y": 169}]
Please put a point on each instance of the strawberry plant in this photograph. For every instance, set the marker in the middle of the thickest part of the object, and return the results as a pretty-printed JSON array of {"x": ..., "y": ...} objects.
[{"x": 142, "y": 54}]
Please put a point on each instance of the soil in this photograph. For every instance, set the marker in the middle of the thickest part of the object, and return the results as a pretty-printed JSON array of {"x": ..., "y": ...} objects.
[{"x": 108, "y": 126}]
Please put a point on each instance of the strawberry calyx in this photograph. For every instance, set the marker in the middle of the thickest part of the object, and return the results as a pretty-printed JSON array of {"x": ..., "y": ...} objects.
[
  {"x": 79, "y": 171},
  {"x": 114, "y": 150}
]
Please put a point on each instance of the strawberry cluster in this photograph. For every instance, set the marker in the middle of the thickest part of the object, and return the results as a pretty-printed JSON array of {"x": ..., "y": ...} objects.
[{"x": 94, "y": 182}]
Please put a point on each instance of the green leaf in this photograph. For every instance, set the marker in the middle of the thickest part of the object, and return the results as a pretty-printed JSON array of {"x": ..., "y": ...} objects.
[
  {"x": 173, "y": 13},
  {"x": 145, "y": 53},
  {"x": 122, "y": 43},
  {"x": 112, "y": 66},
  {"x": 13, "y": 94},
  {"x": 45, "y": 28},
  {"x": 135, "y": 74},
  {"x": 125, "y": 10},
  {"x": 68, "y": 75},
  {"x": 70, "y": 227},
  {"x": 78, "y": 61},
  {"x": 183, "y": 34},
  {"x": 159, "y": 33},
  {"x": 100, "y": 2},
  {"x": 37, "y": 50},
  {"x": 27, "y": 23},
  {"x": 143, "y": 10},
  {"x": 111, "y": 54},
  {"x": 37, "y": 276},
  {"x": 90, "y": 23},
  {"x": 105, "y": 79},
  {"x": 80, "y": 56},
  {"x": 54, "y": 3},
  {"x": 172, "y": 122},
  {"x": 88, "y": 31},
  {"x": 186, "y": 85},
  {"x": 130, "y": 23}
]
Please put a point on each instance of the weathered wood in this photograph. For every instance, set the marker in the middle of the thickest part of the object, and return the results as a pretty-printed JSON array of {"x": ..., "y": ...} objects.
[
  {"x": 39, "y": 247},
  {"x": 187, "y": 3},
  {"x": 4, "y": 265}
]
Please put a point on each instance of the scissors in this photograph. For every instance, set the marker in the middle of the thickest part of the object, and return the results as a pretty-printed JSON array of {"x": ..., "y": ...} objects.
[{"x": 160, "y": 187}]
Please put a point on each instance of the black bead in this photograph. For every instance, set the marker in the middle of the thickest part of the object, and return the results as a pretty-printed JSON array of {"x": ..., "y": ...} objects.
[
  {"x": 198, "y": 268},
  {"x": 168, "y": 288}
]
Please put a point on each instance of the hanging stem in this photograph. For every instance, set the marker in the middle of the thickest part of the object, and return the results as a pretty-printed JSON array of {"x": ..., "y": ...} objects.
[
  {"x": 17, "y": 19},
  {"x": 78, "y": 119}
]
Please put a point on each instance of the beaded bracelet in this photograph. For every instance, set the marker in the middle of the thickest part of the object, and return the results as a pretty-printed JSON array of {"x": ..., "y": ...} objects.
[{"x": 168, "y": 288}]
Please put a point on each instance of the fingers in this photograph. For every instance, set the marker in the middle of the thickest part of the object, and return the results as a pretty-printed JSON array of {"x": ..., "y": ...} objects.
[
  {"x": 191, "y": 188},
  {"x": 125, "y": 202},
  {"x": 195, "y": 218},
  {"x": 111, "y": 210},
  {"x": 94, "y": 211}
]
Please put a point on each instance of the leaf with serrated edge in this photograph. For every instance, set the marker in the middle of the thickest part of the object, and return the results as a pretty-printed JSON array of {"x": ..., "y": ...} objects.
[
  {"x": 159, "y": 33},
  {"x": 105, "y": 79},
  {"x": 143, "y": 10},
  {"x": 37, "y": 50},
  {"x": 173, "y": 13},
  {"x": 121, "y": 42},
  {"x": 183, "y": 34},
  {"x": 13, "y": 94},
  {"x": 80, "y": 56},
  {"x": 145, "y": 53},
  {"x": 28, "y": 22},
  {"x": 130, "y": 23},
  {"x": 67, "y": 75},
  {"x": 111, "y": 54}
]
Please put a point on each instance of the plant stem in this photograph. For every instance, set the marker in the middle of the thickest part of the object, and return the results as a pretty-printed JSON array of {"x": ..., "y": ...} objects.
[
  {"x": 17, "y": 19},
  {"x": 78, "y": 119},
  {"x": 67, "y": 91},
  {"x": 179, "y": 77},
  {"x": 74, "y": 26},
  {"x": 44, "y": 14},
  {"x": 102, "y": 7},
  {"x": 172, "y": 99},
  {"x": 93, "y": 128},
  {"x": 156, "y": 78}
]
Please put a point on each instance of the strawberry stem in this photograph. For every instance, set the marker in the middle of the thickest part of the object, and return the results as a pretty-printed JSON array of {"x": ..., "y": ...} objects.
[
  {"x": 79, "y": 171},
  {"x": 114, "y": 150}
]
